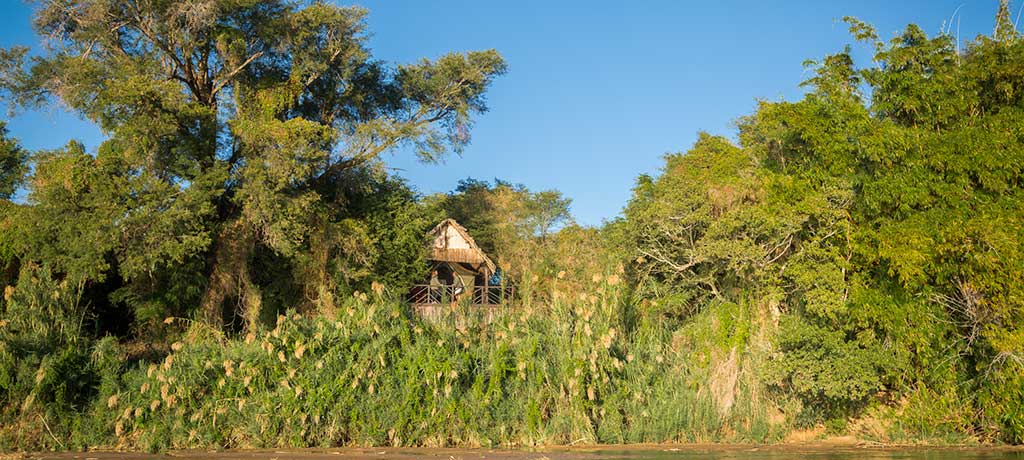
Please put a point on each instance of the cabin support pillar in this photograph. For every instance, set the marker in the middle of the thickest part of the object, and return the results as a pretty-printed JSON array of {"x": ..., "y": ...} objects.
[{"x": 486, "y": 300}]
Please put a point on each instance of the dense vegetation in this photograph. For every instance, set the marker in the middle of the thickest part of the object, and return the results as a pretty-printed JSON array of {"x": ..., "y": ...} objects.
[{"x": 228, "y": 268}]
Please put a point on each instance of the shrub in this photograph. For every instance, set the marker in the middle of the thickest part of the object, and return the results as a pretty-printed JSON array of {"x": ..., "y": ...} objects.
[{"x": 831, "y": 375}]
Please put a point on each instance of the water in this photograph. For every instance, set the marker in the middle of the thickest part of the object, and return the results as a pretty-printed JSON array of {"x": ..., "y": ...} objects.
[
  {"x": 819, "y": 453},
  {"x": 715, "y": 452}
]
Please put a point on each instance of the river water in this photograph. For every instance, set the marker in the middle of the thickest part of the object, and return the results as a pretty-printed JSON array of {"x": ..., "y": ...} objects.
[{"x": 712, "y": 452}]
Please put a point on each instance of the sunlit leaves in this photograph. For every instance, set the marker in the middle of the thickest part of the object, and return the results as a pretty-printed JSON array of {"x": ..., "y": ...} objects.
[{"x": 13, "y": 164}]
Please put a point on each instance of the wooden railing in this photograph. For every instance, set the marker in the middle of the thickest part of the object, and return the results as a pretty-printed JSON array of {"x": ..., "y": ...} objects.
[{"x": 425, "y": 294}]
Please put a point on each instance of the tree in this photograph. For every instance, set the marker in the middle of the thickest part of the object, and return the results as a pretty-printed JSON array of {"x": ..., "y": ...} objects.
[
  {"x": 545, "y": 211},
  {"x": 13, "y": 164},
  {"x": 886, "y": 229},
  {"x": 507, "y": 221},
  {"x": 231, "y": 125}
]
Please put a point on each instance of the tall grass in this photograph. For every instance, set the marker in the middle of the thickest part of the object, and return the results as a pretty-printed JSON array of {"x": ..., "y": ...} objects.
[{"x": 579, "y": 369}]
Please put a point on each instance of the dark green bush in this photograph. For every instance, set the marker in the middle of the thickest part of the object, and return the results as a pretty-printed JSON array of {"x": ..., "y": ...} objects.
[{"x": 832, "y": 375}]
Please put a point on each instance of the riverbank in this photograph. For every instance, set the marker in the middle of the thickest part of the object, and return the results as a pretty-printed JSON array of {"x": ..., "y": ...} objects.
[
  {"x": 572, "y": 374},
  {"x": 824, "y": 448}
]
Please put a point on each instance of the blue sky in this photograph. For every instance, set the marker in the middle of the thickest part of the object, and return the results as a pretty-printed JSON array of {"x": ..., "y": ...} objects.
[{"x": 597, "y": 91}]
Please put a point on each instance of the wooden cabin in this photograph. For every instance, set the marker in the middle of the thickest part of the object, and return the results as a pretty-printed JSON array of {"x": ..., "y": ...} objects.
[{"x": 459, "y": 273}]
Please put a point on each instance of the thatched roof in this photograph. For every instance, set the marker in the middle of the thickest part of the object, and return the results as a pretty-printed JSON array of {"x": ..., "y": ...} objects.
[{"x": 450, "y": 242}]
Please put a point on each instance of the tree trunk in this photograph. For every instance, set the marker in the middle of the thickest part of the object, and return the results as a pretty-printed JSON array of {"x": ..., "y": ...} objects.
[{"x": 229, "y": 278}]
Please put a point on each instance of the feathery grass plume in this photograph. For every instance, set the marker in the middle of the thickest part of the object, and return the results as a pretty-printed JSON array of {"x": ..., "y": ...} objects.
[{"x": 551, "y": 372}]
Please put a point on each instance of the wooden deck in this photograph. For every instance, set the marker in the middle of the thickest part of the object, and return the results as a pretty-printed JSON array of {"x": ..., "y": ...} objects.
[{"x": 438, "y": 302}]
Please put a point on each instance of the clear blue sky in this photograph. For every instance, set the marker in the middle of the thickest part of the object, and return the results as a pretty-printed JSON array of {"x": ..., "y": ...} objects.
[{"x": 597, "y": 91}]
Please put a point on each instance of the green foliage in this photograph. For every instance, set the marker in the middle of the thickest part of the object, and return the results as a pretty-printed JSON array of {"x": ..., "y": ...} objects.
[
  {"x": 13, "y": 164},
  {"x": 373, "y": 376},
  {"x": 681, "y": 223},
  {"x": 231, "y": 128},
  {"x": 49, "y": 370},
  {"x": 933, "y": 417},
  {"x": 829, "y": 373},
  {"x": 853, "y": 260},
  {"x": 396, "y": 221},
  {"x": 1002, "y": 385},
  {"x": 883, "y": 235},
  {"x": 509, "y": 222}
]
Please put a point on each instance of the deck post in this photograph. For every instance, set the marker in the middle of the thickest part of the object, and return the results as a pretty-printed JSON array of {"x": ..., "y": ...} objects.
[{"x": 487, "y": 288}]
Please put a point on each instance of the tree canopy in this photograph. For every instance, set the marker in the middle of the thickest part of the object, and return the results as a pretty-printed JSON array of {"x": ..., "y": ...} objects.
[
  {"x": 878, "y": 221},
  {"x": 234, "y": 128}
]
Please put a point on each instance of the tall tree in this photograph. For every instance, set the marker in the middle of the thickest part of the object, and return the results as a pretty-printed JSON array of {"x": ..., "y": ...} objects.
[
  {"x": 231, "y": 126},
  {"x": 880, "y": 216}
]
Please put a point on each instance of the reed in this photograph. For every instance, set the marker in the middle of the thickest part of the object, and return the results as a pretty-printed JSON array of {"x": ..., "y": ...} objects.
[{"x": 577, "y": 369}]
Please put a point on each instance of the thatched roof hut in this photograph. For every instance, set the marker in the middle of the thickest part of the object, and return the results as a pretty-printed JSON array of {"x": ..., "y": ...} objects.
[
  {"x": 450, "y": 242},
  {"x": 459, "y": 272}
]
